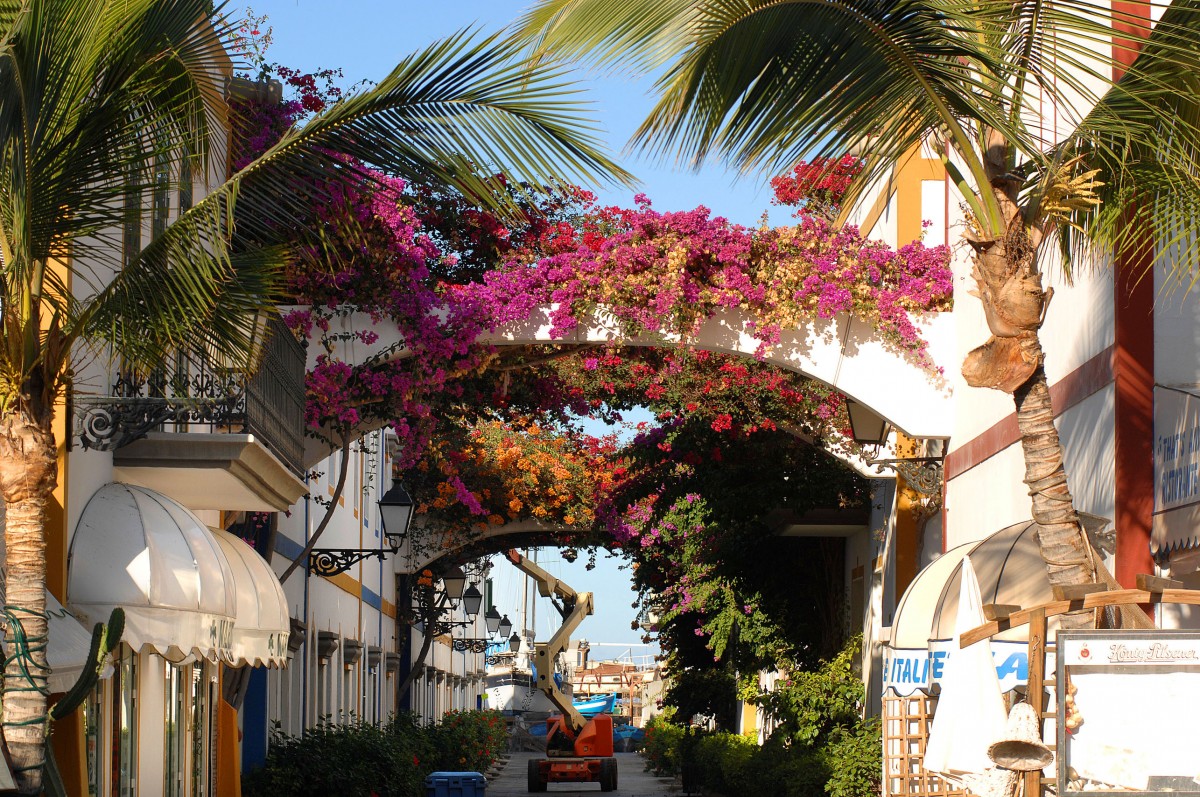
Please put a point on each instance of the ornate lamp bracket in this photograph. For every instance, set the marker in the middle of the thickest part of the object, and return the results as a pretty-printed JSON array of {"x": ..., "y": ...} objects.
[
  {"x": 331, "y": 561},
  {"x": 470, "y": 645},
  {"x": 923, "y": 474}
]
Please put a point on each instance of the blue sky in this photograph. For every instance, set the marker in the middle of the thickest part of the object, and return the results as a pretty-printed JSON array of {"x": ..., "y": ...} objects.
[{"x": 365, "y": 39}]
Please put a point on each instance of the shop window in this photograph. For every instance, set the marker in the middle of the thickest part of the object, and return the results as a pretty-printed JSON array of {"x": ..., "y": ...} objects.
[
  {"x": 124, "y": 724},
  {"x": 178, "y": 683},
  {"x": 91, "y": 737},
  {"x": 203, "y": 698}
]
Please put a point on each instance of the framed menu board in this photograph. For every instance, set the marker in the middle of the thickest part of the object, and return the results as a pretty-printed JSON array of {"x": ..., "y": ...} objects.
[{"x": 1127, "y": 712}]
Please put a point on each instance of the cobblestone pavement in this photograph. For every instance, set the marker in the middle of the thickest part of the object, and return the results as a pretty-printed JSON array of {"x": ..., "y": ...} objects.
[{"x": 631, "y": 780}]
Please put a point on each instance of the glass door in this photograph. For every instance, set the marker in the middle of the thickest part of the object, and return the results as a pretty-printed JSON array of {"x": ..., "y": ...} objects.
[
  {"x": 124, "y": 724},
  {"x": 177, "y": 682},
  {"x": 92, "y": 738},
  {"x": 202, "y": 697}
]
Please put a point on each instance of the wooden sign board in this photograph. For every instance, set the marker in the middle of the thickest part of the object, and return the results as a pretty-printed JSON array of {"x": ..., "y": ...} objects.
[{"x": 1130, "y": 697}]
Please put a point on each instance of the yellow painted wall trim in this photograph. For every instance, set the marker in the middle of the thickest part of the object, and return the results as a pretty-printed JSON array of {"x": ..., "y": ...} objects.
[
  {"x": 905, "y": 184},
  {"x": 346, "y": 584},
  {"x": 229, "y": 749},
  {"x": 880, "y": 205},
  {"x": 352, "y": 587}
]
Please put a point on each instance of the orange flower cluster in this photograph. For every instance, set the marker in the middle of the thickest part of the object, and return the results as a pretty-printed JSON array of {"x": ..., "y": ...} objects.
[{"x": 494, "y": 472}]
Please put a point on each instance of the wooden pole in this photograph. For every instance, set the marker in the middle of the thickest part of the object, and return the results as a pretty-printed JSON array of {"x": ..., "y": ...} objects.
[{"x": 1035, "y": 690}]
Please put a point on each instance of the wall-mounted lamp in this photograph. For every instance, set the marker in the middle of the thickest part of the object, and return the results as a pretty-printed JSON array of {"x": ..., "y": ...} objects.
[
  {"x": 492, "y": 621},
  {"x": 472, "y": 600},
  {"x": 454, "y": 581},
  {"x": 505, "y": 626},
  {"x": 396, "y": 512},
  {"x": 866, "y": 426},
  {"x": 514, "y": 643}
]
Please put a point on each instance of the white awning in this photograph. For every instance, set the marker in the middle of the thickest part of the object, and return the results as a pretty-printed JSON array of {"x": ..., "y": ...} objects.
[
  {"x": 148, "y": 554},
  {"x": 1011, "y": 571},
  {"x": 262, "y": 623}
]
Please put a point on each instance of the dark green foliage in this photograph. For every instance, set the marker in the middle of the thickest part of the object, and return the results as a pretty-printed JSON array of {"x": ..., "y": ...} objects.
[
  {"x": 469, "y": 741},
  {"x": 359, "y": 759},
  {"x": 663, "y": 745},
  {"x": 821, "y": 745}
]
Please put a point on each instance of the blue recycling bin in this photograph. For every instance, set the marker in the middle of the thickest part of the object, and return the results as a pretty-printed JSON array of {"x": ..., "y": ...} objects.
[{"x": 455, "y": 784}]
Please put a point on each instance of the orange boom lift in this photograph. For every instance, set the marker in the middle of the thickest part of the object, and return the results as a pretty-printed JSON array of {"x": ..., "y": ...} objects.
[{"x": 577, "y": 749}]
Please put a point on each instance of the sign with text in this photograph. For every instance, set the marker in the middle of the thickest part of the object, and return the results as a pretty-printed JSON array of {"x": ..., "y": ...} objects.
[
  {"x": 909, "y": 670},
  {"x": 1125, "y": 721},
  {"x": 1176, "y": 471},
  {"x": 1176, "y": 449}
]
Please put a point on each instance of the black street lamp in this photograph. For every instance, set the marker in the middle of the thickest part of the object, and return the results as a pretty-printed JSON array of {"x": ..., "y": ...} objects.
[
  {"x": 505, "y": 626},
  {"x": 396, "y": 512},
  {"x": 472, "y": 599},
  {"x": 454, "y": 581},
  {"x": 514, "y": 643},
  {"x": 492, "y": 621}
]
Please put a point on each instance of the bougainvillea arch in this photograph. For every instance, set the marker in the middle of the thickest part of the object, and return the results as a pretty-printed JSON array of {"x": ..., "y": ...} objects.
[{"x": 719, "y": 329}]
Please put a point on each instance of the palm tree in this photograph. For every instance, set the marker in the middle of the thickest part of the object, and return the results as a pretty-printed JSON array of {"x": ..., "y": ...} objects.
[
  {"x": 766, "y": 83},
  {"x": 99, "y": 100}
]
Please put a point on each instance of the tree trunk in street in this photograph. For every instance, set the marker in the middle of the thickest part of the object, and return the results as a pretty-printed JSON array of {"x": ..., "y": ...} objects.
[
  {"x": 429, "y": 619},
  {"x": 28, "y": 476}
]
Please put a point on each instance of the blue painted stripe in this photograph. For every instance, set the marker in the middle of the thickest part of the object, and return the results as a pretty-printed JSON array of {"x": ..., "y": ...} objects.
[
  {"x": 287, "y": 546},
  {"x": 371, "y": 598}
]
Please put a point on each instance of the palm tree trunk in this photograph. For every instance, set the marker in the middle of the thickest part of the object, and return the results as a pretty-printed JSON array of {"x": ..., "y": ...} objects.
[
  {"x": 28, "y": 475},
  {"x": 1014, "y": 302}
]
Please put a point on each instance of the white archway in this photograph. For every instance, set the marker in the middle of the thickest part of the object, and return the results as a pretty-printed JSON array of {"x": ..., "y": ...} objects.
[{"x": 843, "y": 352}]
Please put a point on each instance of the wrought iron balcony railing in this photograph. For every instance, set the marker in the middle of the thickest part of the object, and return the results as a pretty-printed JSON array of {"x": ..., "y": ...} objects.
[{"x": 193, "y": 394}]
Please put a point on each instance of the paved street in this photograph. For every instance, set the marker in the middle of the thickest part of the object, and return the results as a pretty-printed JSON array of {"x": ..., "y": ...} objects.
[{"x": 631, "y": 781}]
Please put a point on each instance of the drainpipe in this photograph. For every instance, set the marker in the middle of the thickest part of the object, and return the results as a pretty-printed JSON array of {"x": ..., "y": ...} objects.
[{"x": 309, "y": 627}]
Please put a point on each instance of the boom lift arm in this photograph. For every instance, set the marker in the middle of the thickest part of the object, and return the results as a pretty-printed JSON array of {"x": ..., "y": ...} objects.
[{"x": 573, "y": 606}]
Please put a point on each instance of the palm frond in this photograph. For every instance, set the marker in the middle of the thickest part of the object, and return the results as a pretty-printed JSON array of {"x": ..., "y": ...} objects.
[
  {"x": 453, "y": 114},
  {"x": 1143, "y": 141},
  {"x": 639, "y": 36}
]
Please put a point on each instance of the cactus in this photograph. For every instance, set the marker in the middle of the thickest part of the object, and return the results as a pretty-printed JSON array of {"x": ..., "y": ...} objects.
[{"x": 105, "y": 639}]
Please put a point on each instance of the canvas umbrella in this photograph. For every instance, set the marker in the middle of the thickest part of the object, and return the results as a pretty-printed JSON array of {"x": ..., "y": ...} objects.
[{"x": 970, "y": 713}]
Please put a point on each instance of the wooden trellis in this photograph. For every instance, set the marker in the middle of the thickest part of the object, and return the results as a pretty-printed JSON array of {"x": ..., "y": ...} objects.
[{"x": 906, "y": 724}]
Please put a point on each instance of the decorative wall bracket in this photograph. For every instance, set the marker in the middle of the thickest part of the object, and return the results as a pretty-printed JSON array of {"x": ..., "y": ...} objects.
[
  {"x": 331, "y": 561},
  {"x": 470, "y": 645},
  {"x": 440, "y": 627},
  {"x": 923, "y": 474}
]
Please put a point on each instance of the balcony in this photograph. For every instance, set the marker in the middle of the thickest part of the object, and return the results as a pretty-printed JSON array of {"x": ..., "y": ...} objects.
[{"x": 206, "y": 435}]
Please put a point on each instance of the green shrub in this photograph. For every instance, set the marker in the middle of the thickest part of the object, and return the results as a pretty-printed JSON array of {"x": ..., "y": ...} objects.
[
  {"x": 662, "y": 746},
  {"x": 469, "y": 741},
  {"x": 355, "y": 759},
  {"x": 358, "y": 759},
  {"x": 821, "y": 748},
  {"x": 723, "y": 763},
  {"x": 856, "y": 760}
]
